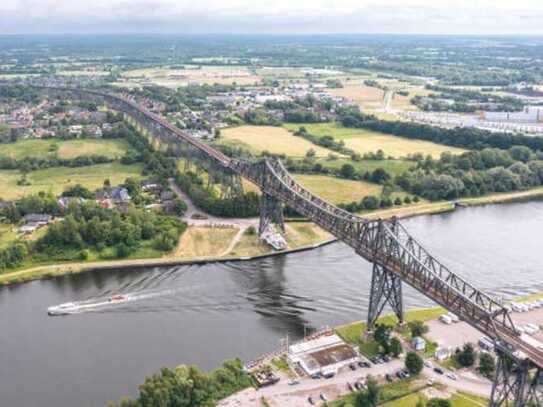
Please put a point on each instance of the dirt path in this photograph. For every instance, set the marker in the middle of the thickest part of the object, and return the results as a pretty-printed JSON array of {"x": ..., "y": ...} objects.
[{"x": 234, "y": 241}]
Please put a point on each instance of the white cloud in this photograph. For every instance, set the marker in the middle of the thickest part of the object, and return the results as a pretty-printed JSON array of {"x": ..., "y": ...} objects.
[{"x": 280, "y": 16}]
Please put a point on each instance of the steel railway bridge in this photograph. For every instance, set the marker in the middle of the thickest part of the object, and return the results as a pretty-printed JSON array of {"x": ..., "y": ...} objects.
[{"x": 396, "y": 256}]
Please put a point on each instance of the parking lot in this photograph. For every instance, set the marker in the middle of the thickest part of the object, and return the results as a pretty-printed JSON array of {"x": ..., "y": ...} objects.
[
  {"x": 452, "y": 335},
  {"x": 456, "y": 334}
]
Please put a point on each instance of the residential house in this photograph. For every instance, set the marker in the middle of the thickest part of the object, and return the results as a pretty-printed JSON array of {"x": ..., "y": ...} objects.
[
  {"x": 65, "y": 201},
  {"x": 117, "y": 197},
  {"x": 40, "y": 218},
  {"x": 150, "y": 186},
  {"x": 418, "y": 343}
]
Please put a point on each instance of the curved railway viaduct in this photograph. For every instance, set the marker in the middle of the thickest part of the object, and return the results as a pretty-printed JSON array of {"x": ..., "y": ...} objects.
[{"x": 397, "y": 257}]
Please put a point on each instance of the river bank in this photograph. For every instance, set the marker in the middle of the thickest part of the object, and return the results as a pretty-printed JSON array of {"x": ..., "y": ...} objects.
[
  {"x": 187, "y": 312},
  {"x": 51, "y": 270}
]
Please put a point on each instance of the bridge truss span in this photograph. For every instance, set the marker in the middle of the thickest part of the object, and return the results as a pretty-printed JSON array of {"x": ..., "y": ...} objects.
[{"x": 397, "y": 257}]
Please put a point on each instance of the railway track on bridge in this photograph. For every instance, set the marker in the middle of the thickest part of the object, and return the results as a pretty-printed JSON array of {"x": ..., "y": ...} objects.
[{"x": 397, "y": 257}]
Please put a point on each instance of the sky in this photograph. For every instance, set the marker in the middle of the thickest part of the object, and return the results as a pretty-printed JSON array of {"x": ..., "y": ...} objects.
[{"x": 491, "y": 17}]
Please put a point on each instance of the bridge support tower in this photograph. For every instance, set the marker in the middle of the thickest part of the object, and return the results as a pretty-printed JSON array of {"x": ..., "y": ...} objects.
[
  {"x": 386, "y": 288},
  {"x": 271, "y": 211},
  {"x": 515, "y": 384}
]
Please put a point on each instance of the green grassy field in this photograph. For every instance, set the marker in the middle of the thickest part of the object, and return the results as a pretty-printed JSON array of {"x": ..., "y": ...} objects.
[
  {"x": 337, "y": 190},
  {"x": 388, "y": 392},
  {"x": 7, "y": 235},
  {"x": 353, "y": 332},
  {"x": 366, "y": 141},
  {"x": 58, "y": 179},
  {"x": 462, "y": 399},
  {"x": 66, "y": 149},
  {"x": 410, "y": 400}
]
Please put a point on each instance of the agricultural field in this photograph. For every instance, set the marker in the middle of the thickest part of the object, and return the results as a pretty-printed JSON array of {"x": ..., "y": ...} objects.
[
  {"x": 400, "y": 102},
  {"x": 57, "y": 179},
  {"x": 337, "y": 190},
  {"x": 64, "y": 149},
  {"x": 365, "y": 141},
  {"x": 366, "y": 97},
  {"x": 276, "y": 140},
  {"x": 173, "y": 78}
]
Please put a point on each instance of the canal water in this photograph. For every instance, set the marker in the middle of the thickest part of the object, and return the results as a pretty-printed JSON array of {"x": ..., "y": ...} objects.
[{"x": 205, "y": 314}]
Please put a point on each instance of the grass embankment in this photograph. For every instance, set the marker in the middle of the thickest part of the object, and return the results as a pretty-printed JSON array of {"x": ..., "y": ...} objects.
[
  {"x": 64, "y": 149},
  {"x": 504, "y": 197},
  {"x": 57, "y": 179},
  {"x": 196, "y": 242},
  {"x": 366, "y": 141},
  {"x": 299, "y": 234},
  {"x": 276, "y": 140},
  {"x": 199, "y": 242}
]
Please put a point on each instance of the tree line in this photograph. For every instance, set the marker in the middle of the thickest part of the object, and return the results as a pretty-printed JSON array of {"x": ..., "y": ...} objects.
[
  {"x": 28, "y": 164},
  {"x": 474, "y": 173},
  {"x": 187, "y": 386}
]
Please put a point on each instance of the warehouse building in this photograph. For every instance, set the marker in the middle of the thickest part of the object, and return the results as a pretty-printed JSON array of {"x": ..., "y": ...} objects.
[{"x": 324, "y": 355}]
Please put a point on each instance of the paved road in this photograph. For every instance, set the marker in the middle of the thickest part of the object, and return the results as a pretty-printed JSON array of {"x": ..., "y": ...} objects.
[
  {"x": 283, "y": 395},
  {"x": 241, "y": 223}
]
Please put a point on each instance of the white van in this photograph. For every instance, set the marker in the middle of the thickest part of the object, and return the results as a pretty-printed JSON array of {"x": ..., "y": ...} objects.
[
  {"x": 516, "y": 307},
  {"x": 445, "y": 319}
]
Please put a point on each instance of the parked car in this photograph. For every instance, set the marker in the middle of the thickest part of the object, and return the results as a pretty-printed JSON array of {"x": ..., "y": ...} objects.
[
  {"x": 316, "y": 376},
  {"x": 452, "y": 376},
  {"x": 386, "y": 358},
  {"x": 358, "y": 386},
  {"x": 352, "y": 366},
  {"x": 427, "y": 363},
  {"x": 323, "y": 397},
  {"x": 438, "y": 370},
  {"x": 350, "y": 386},
  {"x": 430, "y": 382},
  {"x": 293, "y": 382},
  {"x": 310, "y": 400},
  {"x": 389, "y": 377},
  {"x": 364, "y": 364}
]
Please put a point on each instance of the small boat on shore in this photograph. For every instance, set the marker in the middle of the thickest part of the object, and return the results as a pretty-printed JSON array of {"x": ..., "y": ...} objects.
[{"x": 72, "y": 307}]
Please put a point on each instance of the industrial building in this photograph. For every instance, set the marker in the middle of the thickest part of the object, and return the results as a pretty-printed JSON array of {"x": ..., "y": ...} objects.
[
  {"x": 530, "y": 114},
  {"x": 322, "y": 355}
]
